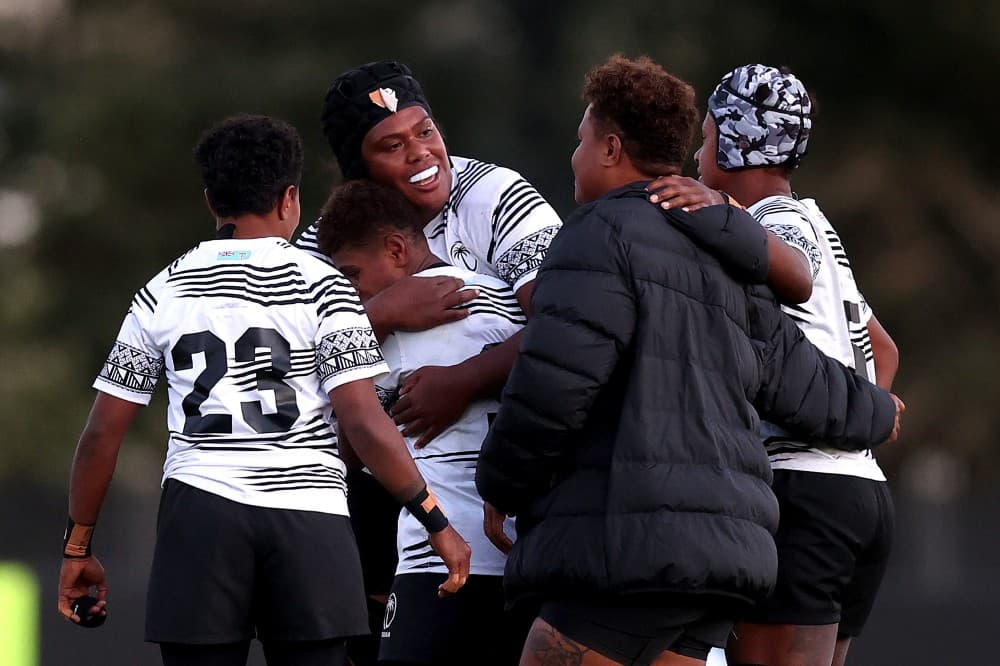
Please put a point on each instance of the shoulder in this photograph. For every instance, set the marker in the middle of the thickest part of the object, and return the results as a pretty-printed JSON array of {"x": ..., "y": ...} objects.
[
  {"x": 480, "y": 183},
  {"x": 312, "y": 267},
  {"x": 780, "y": 210}
]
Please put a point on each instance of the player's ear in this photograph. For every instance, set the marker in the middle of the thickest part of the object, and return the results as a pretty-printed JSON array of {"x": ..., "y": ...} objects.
[
  {"x": 287, "y": 201},
  {"x": 613, "y": 150},
  {"x": 208, "y": 202},
  {"x": 397, "y": 248}
]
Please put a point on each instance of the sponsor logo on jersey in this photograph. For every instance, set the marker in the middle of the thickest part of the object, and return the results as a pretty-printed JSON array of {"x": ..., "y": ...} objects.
[{"x": 233, "y": 255}]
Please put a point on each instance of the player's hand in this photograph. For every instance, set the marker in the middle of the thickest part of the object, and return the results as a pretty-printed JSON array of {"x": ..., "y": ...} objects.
[
  {"x": 430, "y": 400},
  {"x": 76, "y": 578},
  {"x": 682, "y": 192},
  {"x": 455, "y": 552},
  {"x": 900, "y": 408},
  {"x": 420, "y": 303},
  {"x": 493, "y": 522}
]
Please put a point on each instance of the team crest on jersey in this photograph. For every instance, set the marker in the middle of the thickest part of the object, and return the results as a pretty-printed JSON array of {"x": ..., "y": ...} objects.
[
  {"x": 384, "y": 97},
  {"x": 390, "y": 614},
  {"x": 233, "y": 255},
  {"x": 460, "y": 253}
]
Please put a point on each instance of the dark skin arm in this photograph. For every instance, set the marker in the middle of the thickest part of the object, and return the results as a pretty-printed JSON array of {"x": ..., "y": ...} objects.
[
  {"x": 378, "y": 444},
  {"x": 434, "y": 397},
  {"x": 93, "y": 466},
  {"x": 417, "y": 304},
  {"x": 886, "y": 354},
  {"x": 788, "y": 270}
]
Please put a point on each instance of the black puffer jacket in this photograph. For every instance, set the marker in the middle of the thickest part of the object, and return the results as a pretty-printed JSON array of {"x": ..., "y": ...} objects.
[{"x": 626, "y": 440}]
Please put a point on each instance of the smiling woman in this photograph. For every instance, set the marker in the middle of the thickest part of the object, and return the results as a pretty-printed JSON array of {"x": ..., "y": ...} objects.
[{"x": 475, "y": 215}]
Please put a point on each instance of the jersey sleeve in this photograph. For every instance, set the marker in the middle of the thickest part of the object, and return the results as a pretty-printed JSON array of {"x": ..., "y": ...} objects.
[
  {"x": 505, "y": 221},
  {"x": 523, "y": 225},
  {"x": 135, "y": 363},
  {"x": 795, "y": 230},
  {"x": 346, "y": 347}
]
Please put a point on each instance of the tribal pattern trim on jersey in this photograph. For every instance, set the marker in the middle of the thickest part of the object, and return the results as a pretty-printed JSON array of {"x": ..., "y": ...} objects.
[
  {"x": 132, "y": 369},
  {"x": 515, "y": 204},
  {"x": 525, "y": 256},
  {"x": 793, "y": 236},
  {"x": 348, "y": 349}
]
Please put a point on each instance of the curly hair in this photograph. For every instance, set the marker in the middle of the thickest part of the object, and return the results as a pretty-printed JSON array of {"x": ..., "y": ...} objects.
[
  {"x": 653, "y": 111},
  {"x": 247, "y": 162},
  {"x": 357, "y": 211}
]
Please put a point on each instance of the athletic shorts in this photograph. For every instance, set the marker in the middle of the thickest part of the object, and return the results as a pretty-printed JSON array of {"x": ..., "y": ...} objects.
[
  {"x": 374, "y": 517},
  {"x": 833, "y": 540},
  {"x": 224, "y": 572},
  {"x": 640, "y": 633},
  {"x": 470, "y": 627}
]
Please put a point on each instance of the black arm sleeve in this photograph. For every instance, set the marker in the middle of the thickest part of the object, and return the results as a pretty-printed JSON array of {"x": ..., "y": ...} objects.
[
  {"x": 583, "y": 318},
  {"x": 731, "y": 235}
]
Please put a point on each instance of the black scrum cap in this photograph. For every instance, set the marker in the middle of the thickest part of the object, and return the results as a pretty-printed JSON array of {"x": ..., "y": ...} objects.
[{"x": 361, "y": 98}]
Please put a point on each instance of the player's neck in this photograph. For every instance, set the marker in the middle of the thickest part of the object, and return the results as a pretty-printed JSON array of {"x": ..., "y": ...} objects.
[
  {"x": 253, "y": 226},
  {"x": 757, "y": 185},
  {"x": 424, "y": 262}
]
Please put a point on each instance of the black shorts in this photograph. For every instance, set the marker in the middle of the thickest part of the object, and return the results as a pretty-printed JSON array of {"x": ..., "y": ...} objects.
[
  {"x": 374, "y": 517},
  {"x": 833, "y": 540},
  {"x": 639, "y": 633},
  {"x": 470, "y": 627},
  {"x": 224, "y": 572}
]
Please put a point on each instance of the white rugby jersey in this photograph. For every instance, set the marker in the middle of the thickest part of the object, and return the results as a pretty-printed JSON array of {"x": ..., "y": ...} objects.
[
  {"x": 448, "y": 462},
  {"x": 835, "y": 319},
  {"x": 252, "y": 334},
  {"x": 494, "y": 223}
]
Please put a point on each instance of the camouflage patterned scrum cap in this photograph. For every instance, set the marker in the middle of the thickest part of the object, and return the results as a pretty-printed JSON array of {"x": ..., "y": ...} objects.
[
  {"x": 361, "y": 98},
  {"x": 762, "y": 115}
]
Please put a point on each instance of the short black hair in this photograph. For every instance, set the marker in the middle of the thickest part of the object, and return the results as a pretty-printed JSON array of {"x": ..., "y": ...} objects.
[
  {"x": 357, "y": 211},
  {"x": 653, "y": 111},
  {"x": 247, "y": 162}
]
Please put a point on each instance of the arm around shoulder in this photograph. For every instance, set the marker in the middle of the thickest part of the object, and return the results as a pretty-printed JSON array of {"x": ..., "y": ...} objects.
[{"x": 583, "y": 319}]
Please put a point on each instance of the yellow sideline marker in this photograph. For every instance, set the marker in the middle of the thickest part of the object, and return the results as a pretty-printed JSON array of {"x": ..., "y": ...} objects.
[{"x": 19, "y": 629}]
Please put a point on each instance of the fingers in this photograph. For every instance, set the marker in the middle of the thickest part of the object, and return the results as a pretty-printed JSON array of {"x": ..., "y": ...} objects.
[
  {"x": 429, "y": 433},
  {"x": 64, "y": 609},
  {"x": 457, "y": 298},
  {"x": 452, "y": 585},
  {"x": 499, "y": 538}
]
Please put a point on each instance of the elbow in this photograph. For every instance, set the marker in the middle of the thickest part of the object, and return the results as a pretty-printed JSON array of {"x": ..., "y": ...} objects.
[{"x": 793, "y": 292}]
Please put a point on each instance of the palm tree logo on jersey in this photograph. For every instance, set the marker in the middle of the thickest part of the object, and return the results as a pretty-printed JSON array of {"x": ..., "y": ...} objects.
[
  {"x": 461, "y": 253},
  {"x": 390, "y": 611}
]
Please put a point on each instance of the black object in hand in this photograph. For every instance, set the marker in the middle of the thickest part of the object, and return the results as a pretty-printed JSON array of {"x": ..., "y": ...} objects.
[{"x": 82, "y": 606}]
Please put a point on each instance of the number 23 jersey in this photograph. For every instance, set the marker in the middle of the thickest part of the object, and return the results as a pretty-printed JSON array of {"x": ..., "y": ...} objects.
[{"x": 252, "y": 334}]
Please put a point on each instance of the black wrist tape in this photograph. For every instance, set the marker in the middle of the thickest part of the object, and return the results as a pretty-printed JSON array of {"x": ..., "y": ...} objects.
[
  {"x": 424, "y": 508},
  {"x": 76, "y": 540}
]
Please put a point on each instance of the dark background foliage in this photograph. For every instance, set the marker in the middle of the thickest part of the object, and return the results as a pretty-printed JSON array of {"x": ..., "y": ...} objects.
[{"x": 100, "y": 103}]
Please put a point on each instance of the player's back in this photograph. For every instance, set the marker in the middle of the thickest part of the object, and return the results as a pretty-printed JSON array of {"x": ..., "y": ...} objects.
[
  {"x": 448, "y": 462},
  {"x": 249, "y": 331}
]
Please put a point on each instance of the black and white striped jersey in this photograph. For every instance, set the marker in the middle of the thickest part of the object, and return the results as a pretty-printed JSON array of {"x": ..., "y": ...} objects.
[
  {"x": 495, "y": 223},
  {"x": 448, "y": 462},
  {"x": 835, "y": 319},
  {"x": 252, "y": 335}
]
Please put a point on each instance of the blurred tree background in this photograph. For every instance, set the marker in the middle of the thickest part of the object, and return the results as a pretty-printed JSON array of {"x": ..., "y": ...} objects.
[{"x": 101, "y": 102}]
